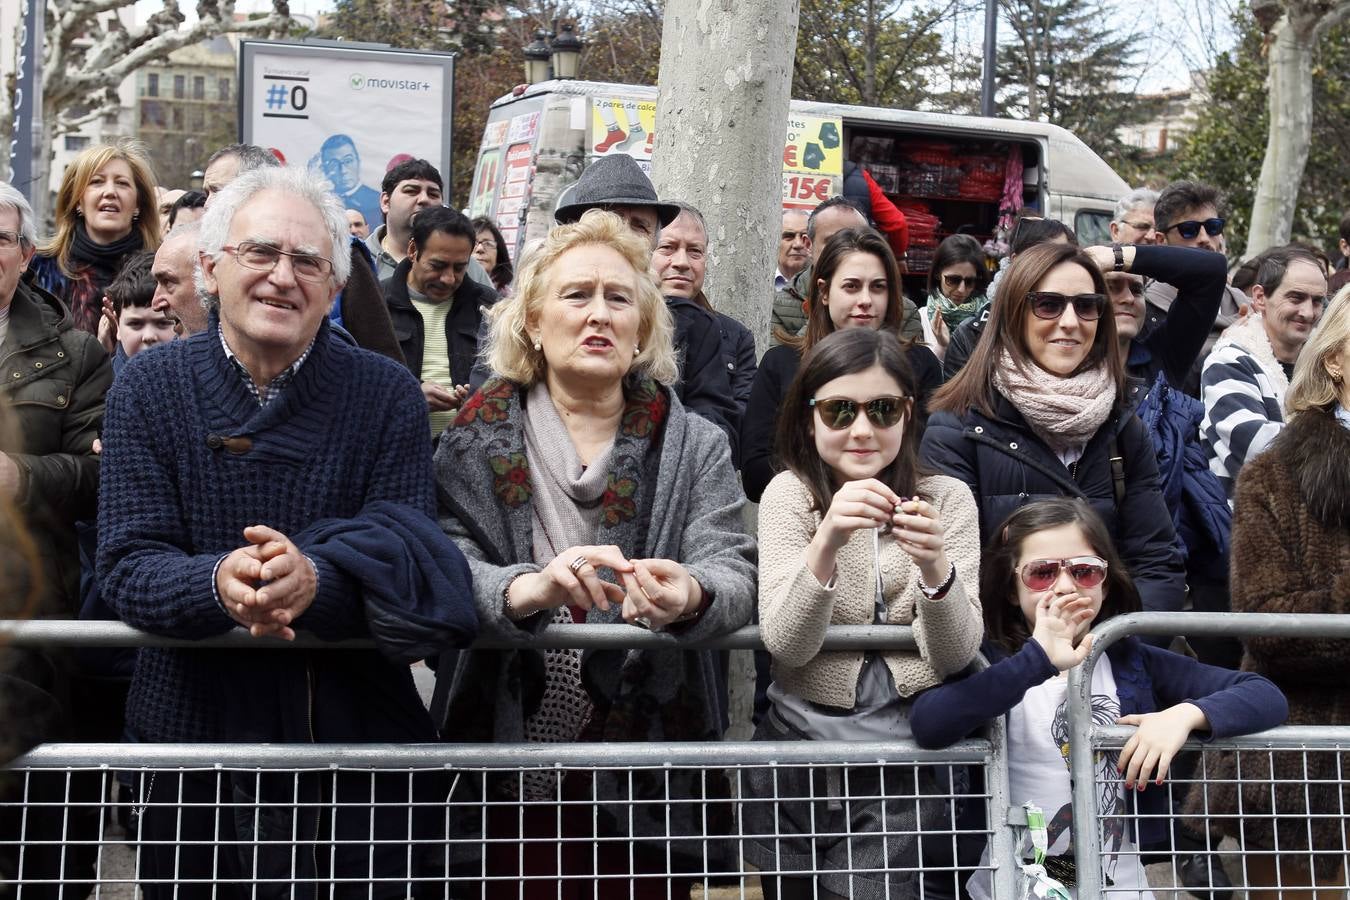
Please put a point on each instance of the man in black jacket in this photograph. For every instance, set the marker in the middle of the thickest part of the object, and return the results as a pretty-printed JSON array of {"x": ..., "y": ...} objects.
[
  {"x": 617, "y": 184},
  {"x": 436, "y": 311}
]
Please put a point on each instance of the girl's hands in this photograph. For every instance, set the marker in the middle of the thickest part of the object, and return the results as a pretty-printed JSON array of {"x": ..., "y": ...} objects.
[
  {"x": 1158, "y": 738},
  {"x": 858, "y": 504},
  {"x": 918, "y": 530},
  {"x": 1057, "y": 621}
]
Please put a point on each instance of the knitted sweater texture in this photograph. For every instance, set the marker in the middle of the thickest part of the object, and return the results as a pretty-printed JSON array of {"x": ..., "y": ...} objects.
[
  {"x": 190, "y": 459},
  {"x": 795, "y": 608}
]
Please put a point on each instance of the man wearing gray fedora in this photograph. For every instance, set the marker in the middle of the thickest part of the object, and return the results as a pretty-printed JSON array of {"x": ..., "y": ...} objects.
[{"x": 617, "y": 184}]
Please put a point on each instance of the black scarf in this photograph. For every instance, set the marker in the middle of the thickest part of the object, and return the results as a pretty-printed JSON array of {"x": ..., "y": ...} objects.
[{"x": 103, "y": 260}]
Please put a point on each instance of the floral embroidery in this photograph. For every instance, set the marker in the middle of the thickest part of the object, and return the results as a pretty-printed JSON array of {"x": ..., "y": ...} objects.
[
  {"x": 511, "y": 478},
  {"x": 491, "y": 403},
  {"x": 645, "y": 411},
  {"x": 617, "y": 504}
]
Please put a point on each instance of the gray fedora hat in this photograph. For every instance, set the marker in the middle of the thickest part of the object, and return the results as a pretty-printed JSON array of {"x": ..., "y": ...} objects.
[{"x": 614, "y": 180}]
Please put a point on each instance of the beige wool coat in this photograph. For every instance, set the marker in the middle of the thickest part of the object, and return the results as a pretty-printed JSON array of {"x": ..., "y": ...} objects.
[{"x": 795, "y": 608}]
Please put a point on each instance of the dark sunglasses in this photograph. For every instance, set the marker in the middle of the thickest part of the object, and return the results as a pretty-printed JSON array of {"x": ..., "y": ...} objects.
[
  {"x": 1190, "y": 228},
  {"x": 1086, "y": 572},
  {"x": 952, "y": 282},
  {"x": 839, "y": 413},
  {"x": 1050, "y": 305}
]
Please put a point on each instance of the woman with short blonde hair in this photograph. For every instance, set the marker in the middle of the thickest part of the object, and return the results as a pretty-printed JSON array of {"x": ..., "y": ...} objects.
[
  {"x": 581, "y": 489},
  {"x": 106, "y": 210}
]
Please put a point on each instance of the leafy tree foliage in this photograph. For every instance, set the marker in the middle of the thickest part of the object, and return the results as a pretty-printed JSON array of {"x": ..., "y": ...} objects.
[
  {"x": 1065, "y": 62},
  {"x": 1228, "y": 144},
  {"x": 865, "y": 52}
]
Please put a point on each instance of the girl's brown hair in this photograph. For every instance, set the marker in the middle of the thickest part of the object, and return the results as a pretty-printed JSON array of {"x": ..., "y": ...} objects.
[
  {"x": 832, "y": 255},
  {"x": 973, "y": 387},
  {"x": 1004, "y": 623},
  {"x": 839, "y": 354}
]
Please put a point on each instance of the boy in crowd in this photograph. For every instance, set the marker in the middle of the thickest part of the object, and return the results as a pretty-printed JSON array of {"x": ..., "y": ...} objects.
[{"x": 139, "y": 325}]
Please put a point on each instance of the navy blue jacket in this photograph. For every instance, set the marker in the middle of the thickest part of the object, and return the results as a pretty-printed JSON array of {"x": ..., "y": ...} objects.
[
  {"x": 1007, "y": 465},
  {"x": 1148, "y": 679}
]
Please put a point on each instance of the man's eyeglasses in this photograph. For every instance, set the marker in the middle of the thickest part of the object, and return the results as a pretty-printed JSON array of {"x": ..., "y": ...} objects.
[
  {"x": 1050, "y": 305},
  {"x": 952, "y": 282},
  {"x": 1190, "y": 228},
  {"x": 1118, "y": 285},
  {"x": 839, "y": 413},
  {"x": 9, "y": 240},
  {"x": 1086, "y": 572},
  {"x": 1138, "y": 226},
  {"x": 262, "y": 258}
]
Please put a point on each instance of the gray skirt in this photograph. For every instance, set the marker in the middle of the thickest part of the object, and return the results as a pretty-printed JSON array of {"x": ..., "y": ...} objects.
[{"x": 858, "y": 830}]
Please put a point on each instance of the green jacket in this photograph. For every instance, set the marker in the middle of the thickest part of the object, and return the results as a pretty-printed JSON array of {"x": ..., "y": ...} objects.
[{"x": 53, "y": 377}]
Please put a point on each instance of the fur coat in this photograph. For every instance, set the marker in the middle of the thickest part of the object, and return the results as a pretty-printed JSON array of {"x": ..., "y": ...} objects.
[{"x": 1291, "y": 554}]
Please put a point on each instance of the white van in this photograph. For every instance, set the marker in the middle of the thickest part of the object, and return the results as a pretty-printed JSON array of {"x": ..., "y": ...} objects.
[{"x": 948, "y": 173}]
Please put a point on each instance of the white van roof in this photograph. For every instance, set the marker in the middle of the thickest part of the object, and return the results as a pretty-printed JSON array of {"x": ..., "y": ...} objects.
[{"x": 1072, "y": 167}]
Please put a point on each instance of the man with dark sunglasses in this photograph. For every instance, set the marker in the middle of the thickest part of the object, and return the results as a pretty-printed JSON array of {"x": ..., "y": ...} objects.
[{"x": 1189, "y": 214}]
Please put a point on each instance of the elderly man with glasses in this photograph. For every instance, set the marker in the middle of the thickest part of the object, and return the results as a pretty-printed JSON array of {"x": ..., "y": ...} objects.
[{"x": 269, "y": 477}]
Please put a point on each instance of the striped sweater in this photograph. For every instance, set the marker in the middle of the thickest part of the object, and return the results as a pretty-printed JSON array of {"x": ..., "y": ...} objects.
[{"x": 1242, "y": 387}]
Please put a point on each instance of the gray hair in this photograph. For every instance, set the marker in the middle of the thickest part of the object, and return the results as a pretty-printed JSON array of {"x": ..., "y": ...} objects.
[
  {"x": 11, "y": 198},
  {"x": 303, "y": 185},
  {"x": 251, "y": 157},
  {"x": 1138, "y": 197}
]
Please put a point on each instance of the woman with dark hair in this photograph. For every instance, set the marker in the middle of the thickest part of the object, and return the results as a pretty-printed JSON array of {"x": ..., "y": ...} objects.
[
  {"x": 105, "y": 210},
  {"x": 1043, "y": 409},
  {"x": 1029, "y": 231},
  {"x": 855, "y": 532},
  {"x": 856, "y": 285},
  {"x": 956, "y": 286},
  {"x": 1050, "y": 571},
  {"x": 1291, "y": 554},
  {"x": 491, "y": 251}
]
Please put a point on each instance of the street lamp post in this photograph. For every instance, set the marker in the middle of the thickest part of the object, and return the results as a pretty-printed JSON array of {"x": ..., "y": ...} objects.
[{"x": 552, "y": 55}]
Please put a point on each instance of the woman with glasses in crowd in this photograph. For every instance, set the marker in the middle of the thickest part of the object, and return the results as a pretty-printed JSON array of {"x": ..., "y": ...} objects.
[
  {"x": 491, "y": 251},
  {"x": 956, "y": 286},
  {"x": 855, "y": 532},
  {"x": 106, "y": 210},
  {"x": 1043, "y": 409}
]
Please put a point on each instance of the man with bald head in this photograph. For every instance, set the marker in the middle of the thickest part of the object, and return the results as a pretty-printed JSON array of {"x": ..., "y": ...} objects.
[{"x": 173, "y": 274}]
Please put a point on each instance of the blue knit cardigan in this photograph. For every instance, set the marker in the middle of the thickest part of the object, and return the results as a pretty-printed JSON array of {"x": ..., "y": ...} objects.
[{"x": 190, "y": 459}]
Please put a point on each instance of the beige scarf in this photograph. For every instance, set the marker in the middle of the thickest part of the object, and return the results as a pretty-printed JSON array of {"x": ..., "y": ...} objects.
[{"x": 1064, "y": 412}]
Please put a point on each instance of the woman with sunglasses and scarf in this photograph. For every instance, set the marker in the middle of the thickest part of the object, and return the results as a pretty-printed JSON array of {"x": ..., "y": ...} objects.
[
  {"x": 956, "y": 285},
  {"x": 854, "y": 532},
  {"x": 856, "y": 285},
  {"x": 1044, "y": 409},
  {"x": 1049, "y": 573}
]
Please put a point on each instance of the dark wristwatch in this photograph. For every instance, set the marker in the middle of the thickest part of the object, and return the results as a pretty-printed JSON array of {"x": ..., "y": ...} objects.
[{"x": 1120, "y": 258}]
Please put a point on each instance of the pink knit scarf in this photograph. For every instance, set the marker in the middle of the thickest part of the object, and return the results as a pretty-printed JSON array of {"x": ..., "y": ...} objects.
[{"x": 1064, "y": 412}]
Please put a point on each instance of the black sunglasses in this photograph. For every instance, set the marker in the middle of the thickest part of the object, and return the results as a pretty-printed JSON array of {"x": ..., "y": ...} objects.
[
  {"x": 1190, "y": 228},
  {"x": 952, "y": 282},
  {"x": 839, "y": 413},
  {"x": 1050, "y": 305}
]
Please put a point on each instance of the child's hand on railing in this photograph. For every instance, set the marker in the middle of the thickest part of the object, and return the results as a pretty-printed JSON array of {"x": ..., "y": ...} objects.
[{"x": 1158, "y": 739}]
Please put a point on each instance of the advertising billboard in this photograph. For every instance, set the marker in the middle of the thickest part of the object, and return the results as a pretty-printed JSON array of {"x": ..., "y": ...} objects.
[{"x": 353, "y": 112}]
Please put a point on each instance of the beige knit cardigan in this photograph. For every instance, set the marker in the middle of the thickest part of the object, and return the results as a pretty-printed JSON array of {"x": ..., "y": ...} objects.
[{"x": 795, "y": 608}]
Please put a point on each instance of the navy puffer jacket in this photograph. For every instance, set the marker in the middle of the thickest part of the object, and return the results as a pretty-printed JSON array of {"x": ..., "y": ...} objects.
[{"x": 1006, "y": 466}]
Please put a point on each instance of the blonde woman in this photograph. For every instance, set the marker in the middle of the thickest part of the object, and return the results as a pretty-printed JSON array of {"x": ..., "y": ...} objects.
[{"x": 106, "y": 210}]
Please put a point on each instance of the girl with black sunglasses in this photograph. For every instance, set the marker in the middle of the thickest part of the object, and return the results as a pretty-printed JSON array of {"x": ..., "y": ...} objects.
[
  {"x": 1049, "y": 573},
  {"x": 956, "y": 286},
  {"x": 1044, "y": 409},
  {"x": 854, "y": 532}
]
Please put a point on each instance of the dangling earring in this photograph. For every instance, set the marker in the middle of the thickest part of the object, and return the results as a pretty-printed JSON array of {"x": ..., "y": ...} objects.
[
  {"x": 538, "y": 346},
  {"x": 136, "y": 215}
]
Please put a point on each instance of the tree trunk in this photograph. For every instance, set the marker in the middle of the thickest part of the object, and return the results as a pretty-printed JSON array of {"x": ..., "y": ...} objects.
[
  {"x": 1290, "y": 102},
  {"x": 721, "y": 121},
  {"x": 725, "y": 82}
]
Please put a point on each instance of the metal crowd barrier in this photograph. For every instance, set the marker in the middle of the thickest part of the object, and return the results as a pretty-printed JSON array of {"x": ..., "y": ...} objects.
[
  {"x": 865, "y": 819},
  {"x": 1269, "y": 809}
]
